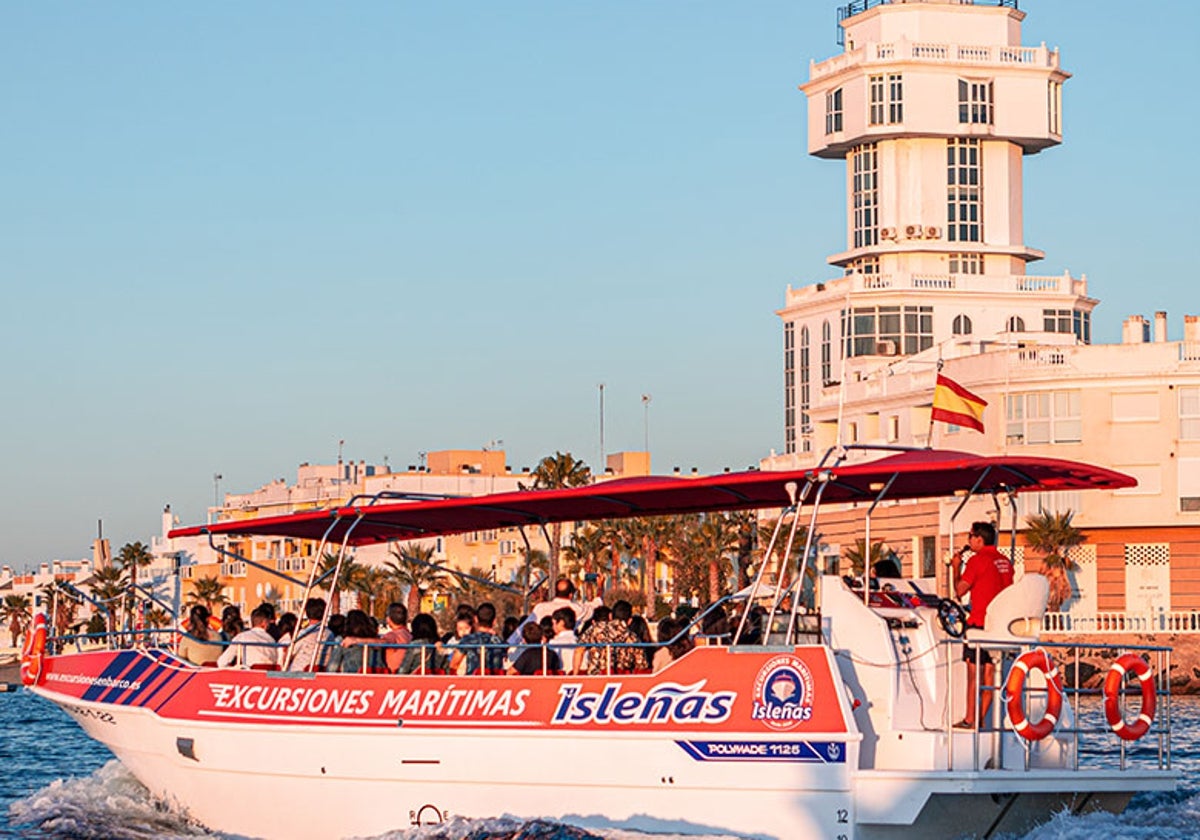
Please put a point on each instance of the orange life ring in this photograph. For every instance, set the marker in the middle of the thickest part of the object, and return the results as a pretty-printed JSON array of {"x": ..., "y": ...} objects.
[
  {"x": 34, "y": 650},
  {"x": 1014, "y": 689},
  {"x": 1114, "y": 684}
]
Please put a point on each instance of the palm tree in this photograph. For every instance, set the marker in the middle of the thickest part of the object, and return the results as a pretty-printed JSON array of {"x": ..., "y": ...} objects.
[
  {"x": 209, "y": 591},
  {"x": 857, "y": 552},
  {"x": 552, "y": 473},
  {"x": 583, "y": 551},
  {"x": 129, "y": 559},
  {"x": 157, "y": 617},
  {"x": 618, "y": 539},
  {"x": 350, "y": 573},
  {"x": 16, "y": 611},
  {"x": 715, "y": 540},
  {"x": 470, "y": 591},
  {"x": 1053, "y": 536},
  {"x": 688, "y": 574},
  {"x": 108, "y": 587},
  {"x": 412, "y": 566},
  {"x": 373, "y": 590},
  {"x": 61, "y": 608},
  {"x": 538, "y": 563}
]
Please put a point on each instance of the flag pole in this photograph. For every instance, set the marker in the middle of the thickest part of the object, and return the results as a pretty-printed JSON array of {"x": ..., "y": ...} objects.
[{"x": 929, "y": 440}]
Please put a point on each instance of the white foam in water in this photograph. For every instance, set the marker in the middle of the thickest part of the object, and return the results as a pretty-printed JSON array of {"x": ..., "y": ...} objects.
[
  {"x": 109, "y": 803},
  {"x": 508, "y": 828},
  {"x": 1160, "y": 818}
]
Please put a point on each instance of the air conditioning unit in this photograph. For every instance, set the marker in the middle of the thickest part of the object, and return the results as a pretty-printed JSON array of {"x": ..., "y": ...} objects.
[
  {"x": 887, "y": 233},
  {"x": 914, "y": 231},
  {"x": 932, "y": 232},
  {"x": 885, "y": 348}
]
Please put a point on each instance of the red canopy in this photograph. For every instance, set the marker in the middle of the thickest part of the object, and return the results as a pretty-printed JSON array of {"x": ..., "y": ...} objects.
[{"x": 914, "y": 474}]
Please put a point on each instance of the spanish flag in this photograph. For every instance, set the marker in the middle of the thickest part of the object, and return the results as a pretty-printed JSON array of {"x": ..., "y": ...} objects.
[{"x": 952, "y": 403}]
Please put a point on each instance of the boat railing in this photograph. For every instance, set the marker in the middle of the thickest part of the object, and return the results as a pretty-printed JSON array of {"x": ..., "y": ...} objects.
[{"x": 1083, "y": 726}]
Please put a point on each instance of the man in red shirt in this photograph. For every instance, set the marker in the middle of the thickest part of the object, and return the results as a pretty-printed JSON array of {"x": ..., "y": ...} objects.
[{"x": 987, "y": 572}]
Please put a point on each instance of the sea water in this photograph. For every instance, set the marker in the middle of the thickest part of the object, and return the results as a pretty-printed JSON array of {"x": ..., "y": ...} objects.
[{"x": 56, "y": 782}]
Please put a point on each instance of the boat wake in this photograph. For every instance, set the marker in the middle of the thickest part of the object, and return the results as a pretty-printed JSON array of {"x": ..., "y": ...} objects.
[
  {"x": 1162, "y": 816},
  {"x": 110, "y": 803}
]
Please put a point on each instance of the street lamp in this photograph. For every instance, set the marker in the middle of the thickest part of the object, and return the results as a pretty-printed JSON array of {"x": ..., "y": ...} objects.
[
  {"x": 217, "y": 490},
  {"x": 601, "y": 465},
  {"x": 646, "y": 420}
]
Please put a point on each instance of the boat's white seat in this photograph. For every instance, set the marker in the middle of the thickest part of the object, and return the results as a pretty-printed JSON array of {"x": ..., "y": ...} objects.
[{"x": 1015, "y": 615}]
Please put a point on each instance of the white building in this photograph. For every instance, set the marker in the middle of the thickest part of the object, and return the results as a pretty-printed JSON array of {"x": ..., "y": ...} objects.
[{"x": 933, "y": 105}]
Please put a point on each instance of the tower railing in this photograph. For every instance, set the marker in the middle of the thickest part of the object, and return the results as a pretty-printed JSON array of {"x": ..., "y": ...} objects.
[
  {"x": 857, "y": 7},
  {"x": 930, "y": 52}
]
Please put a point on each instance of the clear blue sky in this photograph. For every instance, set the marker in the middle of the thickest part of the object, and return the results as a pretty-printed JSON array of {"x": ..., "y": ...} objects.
[{"x": 233, "y": 234}]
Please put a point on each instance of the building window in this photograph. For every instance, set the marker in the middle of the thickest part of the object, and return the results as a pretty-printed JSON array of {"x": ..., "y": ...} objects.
[
  {"x": 962, "y": 325},
  {"x": 966, "y": 263},
  {"x": 1189, "y": 485},
  {"x": 1016, "y": 324},
  {"x": 897, "y": 329},
  {"x": 1054, "y": 106},
  {"x": 963, "y": 179},
  {"x": 974, "y": 102},
  {"x": 826, "y": 353},
  {"x": 1069, "y": 321},
  {"x": 928, "y": 557},
  {"x": 789, "y": 387},
  {"x": 833, "y": 111},
  {"x": 1189, "y": 413},
  {"x": 876, "y": 108},
  {"x": 895, "y": 98},
  {"x": 893, "y": 428},
  {"x": 865, "y": 265},
  {"x": 1044, "y": 417},
  {"x": 885, "y": 99},
  {"x": 805, "y": 392},
  {"x": 866, "y": 195}
]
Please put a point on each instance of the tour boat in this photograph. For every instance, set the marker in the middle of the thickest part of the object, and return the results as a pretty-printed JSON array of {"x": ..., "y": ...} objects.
[{"x": 838, "y": 723}]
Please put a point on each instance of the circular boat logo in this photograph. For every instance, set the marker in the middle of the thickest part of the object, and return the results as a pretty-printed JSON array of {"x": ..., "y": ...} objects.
[{"x": 783, "y": 693}]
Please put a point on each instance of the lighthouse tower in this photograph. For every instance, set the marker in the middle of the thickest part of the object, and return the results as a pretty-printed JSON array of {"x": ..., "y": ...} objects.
[{"x": 933, "y": 105}]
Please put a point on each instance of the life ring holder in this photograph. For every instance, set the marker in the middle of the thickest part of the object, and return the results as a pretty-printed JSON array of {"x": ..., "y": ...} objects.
[
  {"x": 1014, "y": 689},
  {"x": 1114, "y": 684}
]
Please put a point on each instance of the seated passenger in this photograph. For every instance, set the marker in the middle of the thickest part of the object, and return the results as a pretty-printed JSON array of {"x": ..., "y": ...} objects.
[
  {"x": 422, "y": 657},
  {"x": 397, "y": 634},
  {"x": 644, "y": 654},
  {"x": 714, "y": 627},
  {"x": 888, "y": 567},
  {"x": 251, "y": 647},
  {"x": 611, "y": 637},
  {"x": 200, "y": 645},
  {"x": 535, "y": 657},
  {"x": 307, "y": 650},
  {"x": 563, "y": 640},
  {"x": 358, "y": 634},
  {"x": 483, "y": 637},
  {"x": 674, "y": 642}
]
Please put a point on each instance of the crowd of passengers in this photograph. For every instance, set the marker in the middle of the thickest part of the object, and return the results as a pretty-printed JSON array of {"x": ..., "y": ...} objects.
[{"x": 560, "y": 635}]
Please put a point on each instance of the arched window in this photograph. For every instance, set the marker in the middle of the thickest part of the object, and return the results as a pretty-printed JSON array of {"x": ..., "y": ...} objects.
[
  {"x": 1016, "y": 324},
  {"x": 805, "y": 388},
  {"x": 962, "y": 325},
  {"x": 826, "y": 353}
]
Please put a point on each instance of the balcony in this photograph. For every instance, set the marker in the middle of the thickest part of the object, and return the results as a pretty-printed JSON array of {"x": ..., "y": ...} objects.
[
  {"x": 916, "y": 51},
  {"x": 1025, "y": 284}
]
